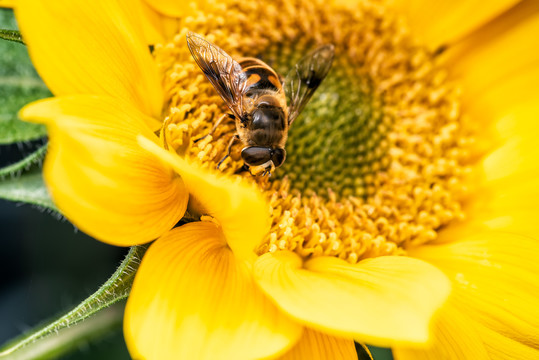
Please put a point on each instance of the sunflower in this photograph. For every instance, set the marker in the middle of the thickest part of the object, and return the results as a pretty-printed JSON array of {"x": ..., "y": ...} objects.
[{"x": 413, "y": 164}]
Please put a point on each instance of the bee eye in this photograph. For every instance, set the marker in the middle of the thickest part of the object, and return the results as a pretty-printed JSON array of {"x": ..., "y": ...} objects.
[
  {"x": 256, "y": 155},
  {"x": 278, "y": 157}
]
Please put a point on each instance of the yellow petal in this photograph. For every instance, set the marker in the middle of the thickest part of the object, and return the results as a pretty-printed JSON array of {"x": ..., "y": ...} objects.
[
  {"x": 314, "y": 345},
  {"x": 171, "y": 8},
  {"x": 457, "y": 336},
  {"x": 98, "y": 175},
  {"x": 493, "y": 56},
  {"x": 516, "y": 157},
  {"x": 505, "y": 192},
  {"x": 494, "y": 279},
  {"x": 439, "y": 22},
  {"x": 7, "y": 3},
  {"x": 506, "y": 196},
  {"x": 510, "y": 184},
  {"x": 381, "y": 301},
  {"x": 158, "y": 27},
  {"x": 502, "y": 347},
  {"x": 519, "y": 222},
  {"x": 239, "y": 207},
  {"x": 510, "y": 105},
  {"x": 92, "y": 47},
  {"x": 151, "y": 25},
  {"x": 193, "y": 299},
  {"x": 507, "y": 204},
  {"x": 454, "y": 336}
]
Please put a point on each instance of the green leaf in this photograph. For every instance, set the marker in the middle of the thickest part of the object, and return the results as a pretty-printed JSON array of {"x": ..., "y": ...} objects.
[
  {"x": 27, "y": 187},
  {"x": 19, "y": 85},
  {"x": 11, "y": 35},
  {"x": 61, "y": 335}
]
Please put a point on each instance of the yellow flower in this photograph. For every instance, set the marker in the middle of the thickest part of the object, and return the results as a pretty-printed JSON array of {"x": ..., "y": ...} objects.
[
  {"x": 204, "y": 302},
  {"x": 388, "y": 160}
]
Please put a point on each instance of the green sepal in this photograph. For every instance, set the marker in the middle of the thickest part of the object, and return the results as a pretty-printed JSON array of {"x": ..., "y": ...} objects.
[
  {"x": 61, "y": 336},
  {"x": 11, "y": 35}
]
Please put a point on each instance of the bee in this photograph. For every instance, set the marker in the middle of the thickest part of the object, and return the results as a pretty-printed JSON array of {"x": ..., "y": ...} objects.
[{"x": 262, "y": 103}]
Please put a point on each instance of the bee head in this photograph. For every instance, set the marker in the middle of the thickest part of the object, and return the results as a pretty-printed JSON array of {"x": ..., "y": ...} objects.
[{"x": 259, "y": 156}]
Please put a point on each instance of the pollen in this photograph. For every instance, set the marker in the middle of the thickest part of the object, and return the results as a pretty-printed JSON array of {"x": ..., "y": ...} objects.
[{"x": 377, "y": 162}]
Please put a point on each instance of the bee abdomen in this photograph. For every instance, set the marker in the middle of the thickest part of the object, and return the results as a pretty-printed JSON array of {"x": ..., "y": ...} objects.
[{"x": 259, "y": 76}]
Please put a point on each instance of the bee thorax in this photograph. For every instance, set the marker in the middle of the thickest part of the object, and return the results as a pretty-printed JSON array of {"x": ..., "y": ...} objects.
[{"x": 268, "y": 126}]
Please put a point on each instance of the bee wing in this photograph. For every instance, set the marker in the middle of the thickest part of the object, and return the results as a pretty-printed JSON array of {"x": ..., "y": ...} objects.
[
  {"x": 222, "y": 71},
  {"x": 303, "y": 80}
]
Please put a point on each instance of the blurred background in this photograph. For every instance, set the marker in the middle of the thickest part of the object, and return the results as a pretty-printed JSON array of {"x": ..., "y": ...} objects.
[{"x": 48, "y": 266}]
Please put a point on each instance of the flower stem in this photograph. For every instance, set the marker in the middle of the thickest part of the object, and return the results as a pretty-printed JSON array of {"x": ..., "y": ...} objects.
[
  {"x": 68, "y": 338},
  {"x": 60, "y": 333}
]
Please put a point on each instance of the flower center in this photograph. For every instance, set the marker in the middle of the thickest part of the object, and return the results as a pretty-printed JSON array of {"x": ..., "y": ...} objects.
[
  {"x": 339, "y": 142},
  {"x": 376, "y": 163}
]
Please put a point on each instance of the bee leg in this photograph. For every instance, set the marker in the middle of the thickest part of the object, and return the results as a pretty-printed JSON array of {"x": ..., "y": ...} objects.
[
  {"x": 217, "y": 123},
  {"x": 244, "y": 168},
  {"x": 268, "y": 169},
  {"x": 232, "y": 141}
]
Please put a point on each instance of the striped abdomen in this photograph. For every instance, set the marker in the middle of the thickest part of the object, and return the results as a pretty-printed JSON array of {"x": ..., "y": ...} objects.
[{"x": 260, "y": 77}]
